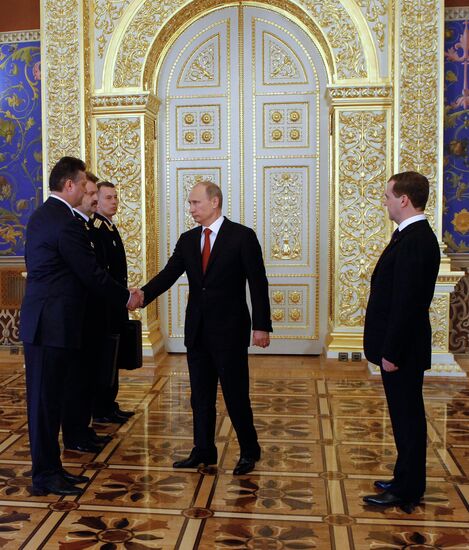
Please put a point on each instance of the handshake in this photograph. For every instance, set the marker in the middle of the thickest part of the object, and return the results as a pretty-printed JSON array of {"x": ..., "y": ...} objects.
[{"x": 136, "y": 300}]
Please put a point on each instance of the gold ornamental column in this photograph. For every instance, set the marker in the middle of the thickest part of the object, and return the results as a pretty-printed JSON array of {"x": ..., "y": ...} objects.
[
  {"x": 123, "y": 136},
  {"x": 419, "y": 131},
  {"x": 361, "y": 146},
  {"x": 63, "y": 87}
]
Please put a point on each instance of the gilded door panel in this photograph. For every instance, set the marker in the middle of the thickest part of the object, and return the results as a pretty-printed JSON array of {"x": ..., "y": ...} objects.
[{"x": 242, "y": 93}]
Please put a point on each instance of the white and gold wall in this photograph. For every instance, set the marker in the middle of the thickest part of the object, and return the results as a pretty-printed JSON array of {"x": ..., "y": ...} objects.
[{"x": 299, "y": 109}]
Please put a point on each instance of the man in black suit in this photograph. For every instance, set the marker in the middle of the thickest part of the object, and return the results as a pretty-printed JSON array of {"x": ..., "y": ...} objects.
[
  {"x": 82, "y": 383},
  {"x": 106, "y": 408},
  {"x": 62, "y": 272},
  {"x": 398, "y": 335},
  {"x": 218, "y": 258}
]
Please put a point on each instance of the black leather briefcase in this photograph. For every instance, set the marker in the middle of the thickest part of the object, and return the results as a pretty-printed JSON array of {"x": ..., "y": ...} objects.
[{"x": 130, "y": 346}]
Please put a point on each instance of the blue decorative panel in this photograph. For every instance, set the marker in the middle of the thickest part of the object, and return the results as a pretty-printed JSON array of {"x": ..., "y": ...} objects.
[
  {"x": 456, "y": 137},
  {"x": 20, "y": 142}
]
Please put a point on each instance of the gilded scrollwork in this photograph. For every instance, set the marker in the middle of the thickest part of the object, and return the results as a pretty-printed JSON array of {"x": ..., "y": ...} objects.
[
  {"x": 439, "y": 316},
  {"x": 419, "y": 68},
  {"x": 203, "y": 64},
  {"x": 118, "y": 157},
  {"x": 107, "y": 14},
  {"x": 362, "y": 220},
  {"x": 375, "y": 12},
  {"x": 459, "y": 326},
  {"x": 286, "y": 197},
  {"x": 143, "y": 29},
  {"x": 366, "y": 92},
  {"x": 334, "y": 20},
  {"x": 342, "y": 34},
  {"x": 152, "y": 225},
  {"x": 61, "y": 48},
  {"x": 9, "y": 327}
]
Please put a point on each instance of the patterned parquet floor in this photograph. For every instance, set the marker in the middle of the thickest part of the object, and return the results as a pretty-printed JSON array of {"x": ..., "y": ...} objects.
[{"x": 325, "y": 437}]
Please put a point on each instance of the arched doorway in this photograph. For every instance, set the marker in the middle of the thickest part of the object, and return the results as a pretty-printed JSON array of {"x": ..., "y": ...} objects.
[{"x": 242, "y": 93}]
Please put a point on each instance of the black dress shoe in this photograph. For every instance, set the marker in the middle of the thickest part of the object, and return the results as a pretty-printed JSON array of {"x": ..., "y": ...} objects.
[
  {"x": 126, "y": 414},
  {"x": 58, "y": 486},
  {"x": 194, "y": 461},
  {"x": 383, "y": 484},
  {"x": 73, "y": 479},
  {"x": 388, "y": 499},
  {"x": 84, "y": 447},
  {"x": 101, "y": 439},
  {"x": 245, "y": 465},
  {"x": 112, "y": 418}
]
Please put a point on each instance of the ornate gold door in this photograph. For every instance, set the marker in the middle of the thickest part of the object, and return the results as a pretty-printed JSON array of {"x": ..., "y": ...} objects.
[{"x": 242, "y": 95}]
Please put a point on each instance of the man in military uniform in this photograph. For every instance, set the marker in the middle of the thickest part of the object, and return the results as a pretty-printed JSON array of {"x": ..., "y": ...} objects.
[{"x": 106, "y": 408}]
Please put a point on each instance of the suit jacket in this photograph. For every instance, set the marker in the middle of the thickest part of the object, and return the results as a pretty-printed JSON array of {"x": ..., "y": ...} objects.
[
  {"x": 218, "y": 298},
  {"x": 62, "y": 271},
  {"x": 397, "y": 323}
]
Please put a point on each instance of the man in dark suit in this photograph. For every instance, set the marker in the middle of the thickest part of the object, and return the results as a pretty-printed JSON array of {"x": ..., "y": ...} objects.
[
  {"x": 62, "y": 272},
  {"x": 106, "y": 408},
  {"x": 82, "y": 383},
  {"x": 398, "y": 335},
  {"x": 218, "y": 258}
]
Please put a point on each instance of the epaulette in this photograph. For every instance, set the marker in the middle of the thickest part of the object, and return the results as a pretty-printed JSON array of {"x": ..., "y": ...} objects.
[{"x": 97, "y": 223}]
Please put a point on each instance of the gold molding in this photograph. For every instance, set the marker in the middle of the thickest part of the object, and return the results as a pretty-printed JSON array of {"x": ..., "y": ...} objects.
[
  {"x": 12, "y": 37},
  {"x": 128, "y": 103}
]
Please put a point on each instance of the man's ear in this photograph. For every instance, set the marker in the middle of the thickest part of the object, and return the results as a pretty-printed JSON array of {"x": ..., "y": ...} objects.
[{"x": 404, "y": 200}]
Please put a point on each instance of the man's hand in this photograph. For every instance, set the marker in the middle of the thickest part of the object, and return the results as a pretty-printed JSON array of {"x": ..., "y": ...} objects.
[
  {"x": 260, "y": 338},
  {"x": 388, "y": 366},
  {"x": 136, "y": 299}
]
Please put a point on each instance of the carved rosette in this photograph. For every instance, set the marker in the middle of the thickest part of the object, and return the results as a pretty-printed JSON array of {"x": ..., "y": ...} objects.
[
  {"x": 61, "y": 46},
  {"x": 118, "y": 157},
  {"x": 419, "y": 108},
  {"x": 361, "y": 225}
]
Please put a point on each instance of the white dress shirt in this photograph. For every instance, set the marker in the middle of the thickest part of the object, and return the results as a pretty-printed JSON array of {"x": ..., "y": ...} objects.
[{"x": 215, "y": 228}]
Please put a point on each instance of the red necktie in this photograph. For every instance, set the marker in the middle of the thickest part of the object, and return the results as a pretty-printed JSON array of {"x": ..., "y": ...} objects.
[{"x": 206, "y": 249}]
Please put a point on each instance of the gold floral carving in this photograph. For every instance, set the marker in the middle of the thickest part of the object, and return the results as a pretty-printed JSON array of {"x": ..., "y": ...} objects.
[
  {"x": 282, "y": 63},
  {"x": 61, "y": 47},
  {"x": 419, "y": 73},
  {"x": 106, "y": 14},
  {"x": 362, "y": 221},
  {"x": 342, "y": 34},
  {"x": 87, "y": 78},
  {"x": 459, "y": 315},
  {"x": 202, "y": 68},
  {"x": 366, "y": 92},
  {"x": 286, "y": 215},
  {"x": 144, "y": 102},
  {"x": 9, "y": 327},
  {"x": 140, "y": 43},
  {"x": 439, "y": 318},
  {"x": 375, "y": 12},
  {"x": 299, "y": 9},
  {"x": 139, "y": 36},
  {"x": 152, "y": 224},
  {"x": 294, "y": 296},
  {"x": 295, "y": 314},
  {"x": 118, "y": 160}
]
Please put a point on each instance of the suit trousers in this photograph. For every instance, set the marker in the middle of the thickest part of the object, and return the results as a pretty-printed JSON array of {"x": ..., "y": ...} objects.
[
  {"x": 206, "y": 366},
  {"x": 47, "y": 369},
  {"x": 78, "y": 404},
  {"x": 403, "y": 389}
]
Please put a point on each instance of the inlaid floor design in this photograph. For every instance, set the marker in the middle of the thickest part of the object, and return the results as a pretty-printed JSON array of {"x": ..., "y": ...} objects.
[{"x": 325, "y": 437}]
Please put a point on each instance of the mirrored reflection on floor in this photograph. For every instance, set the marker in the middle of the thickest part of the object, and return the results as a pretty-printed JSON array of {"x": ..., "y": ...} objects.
[{"x": 325, "y": 436}]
